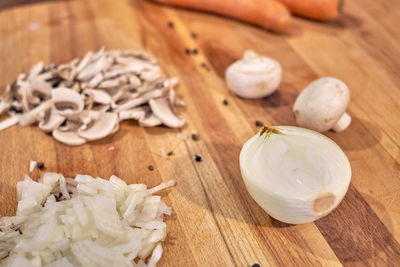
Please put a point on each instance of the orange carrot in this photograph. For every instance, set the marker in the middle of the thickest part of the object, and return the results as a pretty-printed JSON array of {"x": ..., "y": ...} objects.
[
  {"x": 268, "y": 14},
  {"x": 315, "y": 9}
]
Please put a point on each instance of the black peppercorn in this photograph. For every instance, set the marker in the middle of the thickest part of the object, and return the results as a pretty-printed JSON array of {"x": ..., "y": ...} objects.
[
  {"x": 258, "y": 123},
  {"x": 198, "y": 158},
  {"x": 195, "y": 137},
  {"x": 194, "y": 51},
  {"x": 170, "y": 24},
  {"x": 40, "y": 165},
  {"x": 225, "y": 102},
  {"x": 187, "y": 51},
  {"x": 151, "y": 168}
]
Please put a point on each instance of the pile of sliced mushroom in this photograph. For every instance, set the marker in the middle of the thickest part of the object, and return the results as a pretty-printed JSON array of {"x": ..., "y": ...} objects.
[{"x": 85, "y": 99}]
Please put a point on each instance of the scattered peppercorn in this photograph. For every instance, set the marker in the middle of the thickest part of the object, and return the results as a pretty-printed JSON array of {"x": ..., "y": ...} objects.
[
  {"x": 187, "y": 51},
  {"x": 170, "y": 153},
  {"x": 40, "y": 165},
  {"x": 255, "y": 265},
  {"x": 204, "y": 66},
  {"x": 195, "y": 137},
  {"x": 170, "y": 24},
  {"x": 198, "y": 158},
  {"x": 194, "y": 51},
  {"x": 225, "y": 102},
  {"x": 151, "y": 168},
  {"x": 194, "y": 35},
  {"x": 259, "y": 123}
]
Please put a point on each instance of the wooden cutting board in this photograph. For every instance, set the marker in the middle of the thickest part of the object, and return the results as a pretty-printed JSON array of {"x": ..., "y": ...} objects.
[{"x": 215, "y": 222}]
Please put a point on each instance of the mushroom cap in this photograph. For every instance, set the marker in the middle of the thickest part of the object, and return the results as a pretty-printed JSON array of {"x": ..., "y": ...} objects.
[
  {"x": 254, "y": 76},
  {"x": 321, "y": 104}
]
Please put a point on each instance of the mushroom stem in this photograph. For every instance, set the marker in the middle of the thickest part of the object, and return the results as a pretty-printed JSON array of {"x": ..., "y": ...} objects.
[{"x": 342, "y": 123}]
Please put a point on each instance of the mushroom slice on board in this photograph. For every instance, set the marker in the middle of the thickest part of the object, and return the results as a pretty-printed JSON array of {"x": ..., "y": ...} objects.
[
  {"x": 35, "y": 70},
  {"x": 98, "y": 96},
  {"x": 3, "y": 106},
  {"x": 67, "y": 101},
  {"x": 150, "y": 121},
  {"x": 33, "y": 115},
  {"x": 144, "y": 98},
  {"x": 138, "y": 113},
  {"x": 100, "y": 128},
  {"x": 9, "y": 122},
  {"x": 51, "y": 121},
  {"x": 69, "y": 138},
  {"x": 162, "y": 109}
]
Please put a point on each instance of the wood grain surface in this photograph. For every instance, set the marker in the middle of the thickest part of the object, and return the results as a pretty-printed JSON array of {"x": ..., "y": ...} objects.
[{"x": 215, "y": 222}]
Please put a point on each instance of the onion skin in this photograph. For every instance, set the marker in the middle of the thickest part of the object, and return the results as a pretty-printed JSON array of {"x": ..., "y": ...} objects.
[{"x": 282, "y": 205}]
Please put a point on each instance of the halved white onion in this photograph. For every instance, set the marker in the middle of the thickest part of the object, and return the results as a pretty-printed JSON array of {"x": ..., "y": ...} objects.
[{"x": 296, "y": 175}]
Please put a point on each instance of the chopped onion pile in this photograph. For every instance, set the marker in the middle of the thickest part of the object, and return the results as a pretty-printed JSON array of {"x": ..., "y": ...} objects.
[{"x": 84, "y": 222}]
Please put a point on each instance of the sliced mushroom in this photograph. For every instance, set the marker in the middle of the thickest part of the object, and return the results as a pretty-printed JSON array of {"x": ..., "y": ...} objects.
[
  {"x": 134, "y": 81},
  {"x": 32, "y": 116},
  {"x": 70, "y": 125},
  {"x": 101, "y": 107},
  {"x": 69, "y": 138},
  {"x": 98, "y": 96},
  {"x": 93, "y": 68},
  {"x": 150, "y": 121},
  {"x": 100, "y": 128},
  {"x": 141, "y": 100},
  {"x": 67, "y": 101},
  {"x": 85, "y": 61},
  {"x": 35, "y": 70},
  {"x": 136, "y": 113},
  {"x": 3, "y": 106},
  {"x": 162, "y": 109},
  {"x": 113, "y": 83},
  {"x": 98, "y": 78},
  {"x": 51, "y": 121},
  {"x": 9, "y": 122}
]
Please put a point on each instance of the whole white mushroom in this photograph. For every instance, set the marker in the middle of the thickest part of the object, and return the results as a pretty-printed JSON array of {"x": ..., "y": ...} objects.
[
  {"x": 322, "y": 104},
  {"x": 254, "y": 76}
]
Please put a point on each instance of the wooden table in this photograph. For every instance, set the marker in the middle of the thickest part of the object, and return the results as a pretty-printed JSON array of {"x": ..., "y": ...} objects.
[{"x": 215, "y": 222}]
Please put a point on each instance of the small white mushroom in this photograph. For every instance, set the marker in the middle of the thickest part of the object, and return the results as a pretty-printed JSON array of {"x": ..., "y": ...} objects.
[
  {"x": 51, "y": 121},
  {"x": 162, "y": 109},
  {"x": 67, "y": 101},
  {"x": 322, "y": 104},
  {"x": 150, "y": 121},
  {"x": 101, "y": 127},
  {"x": 69, "y": 138},
  {"x": 254, "y": 76}
]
